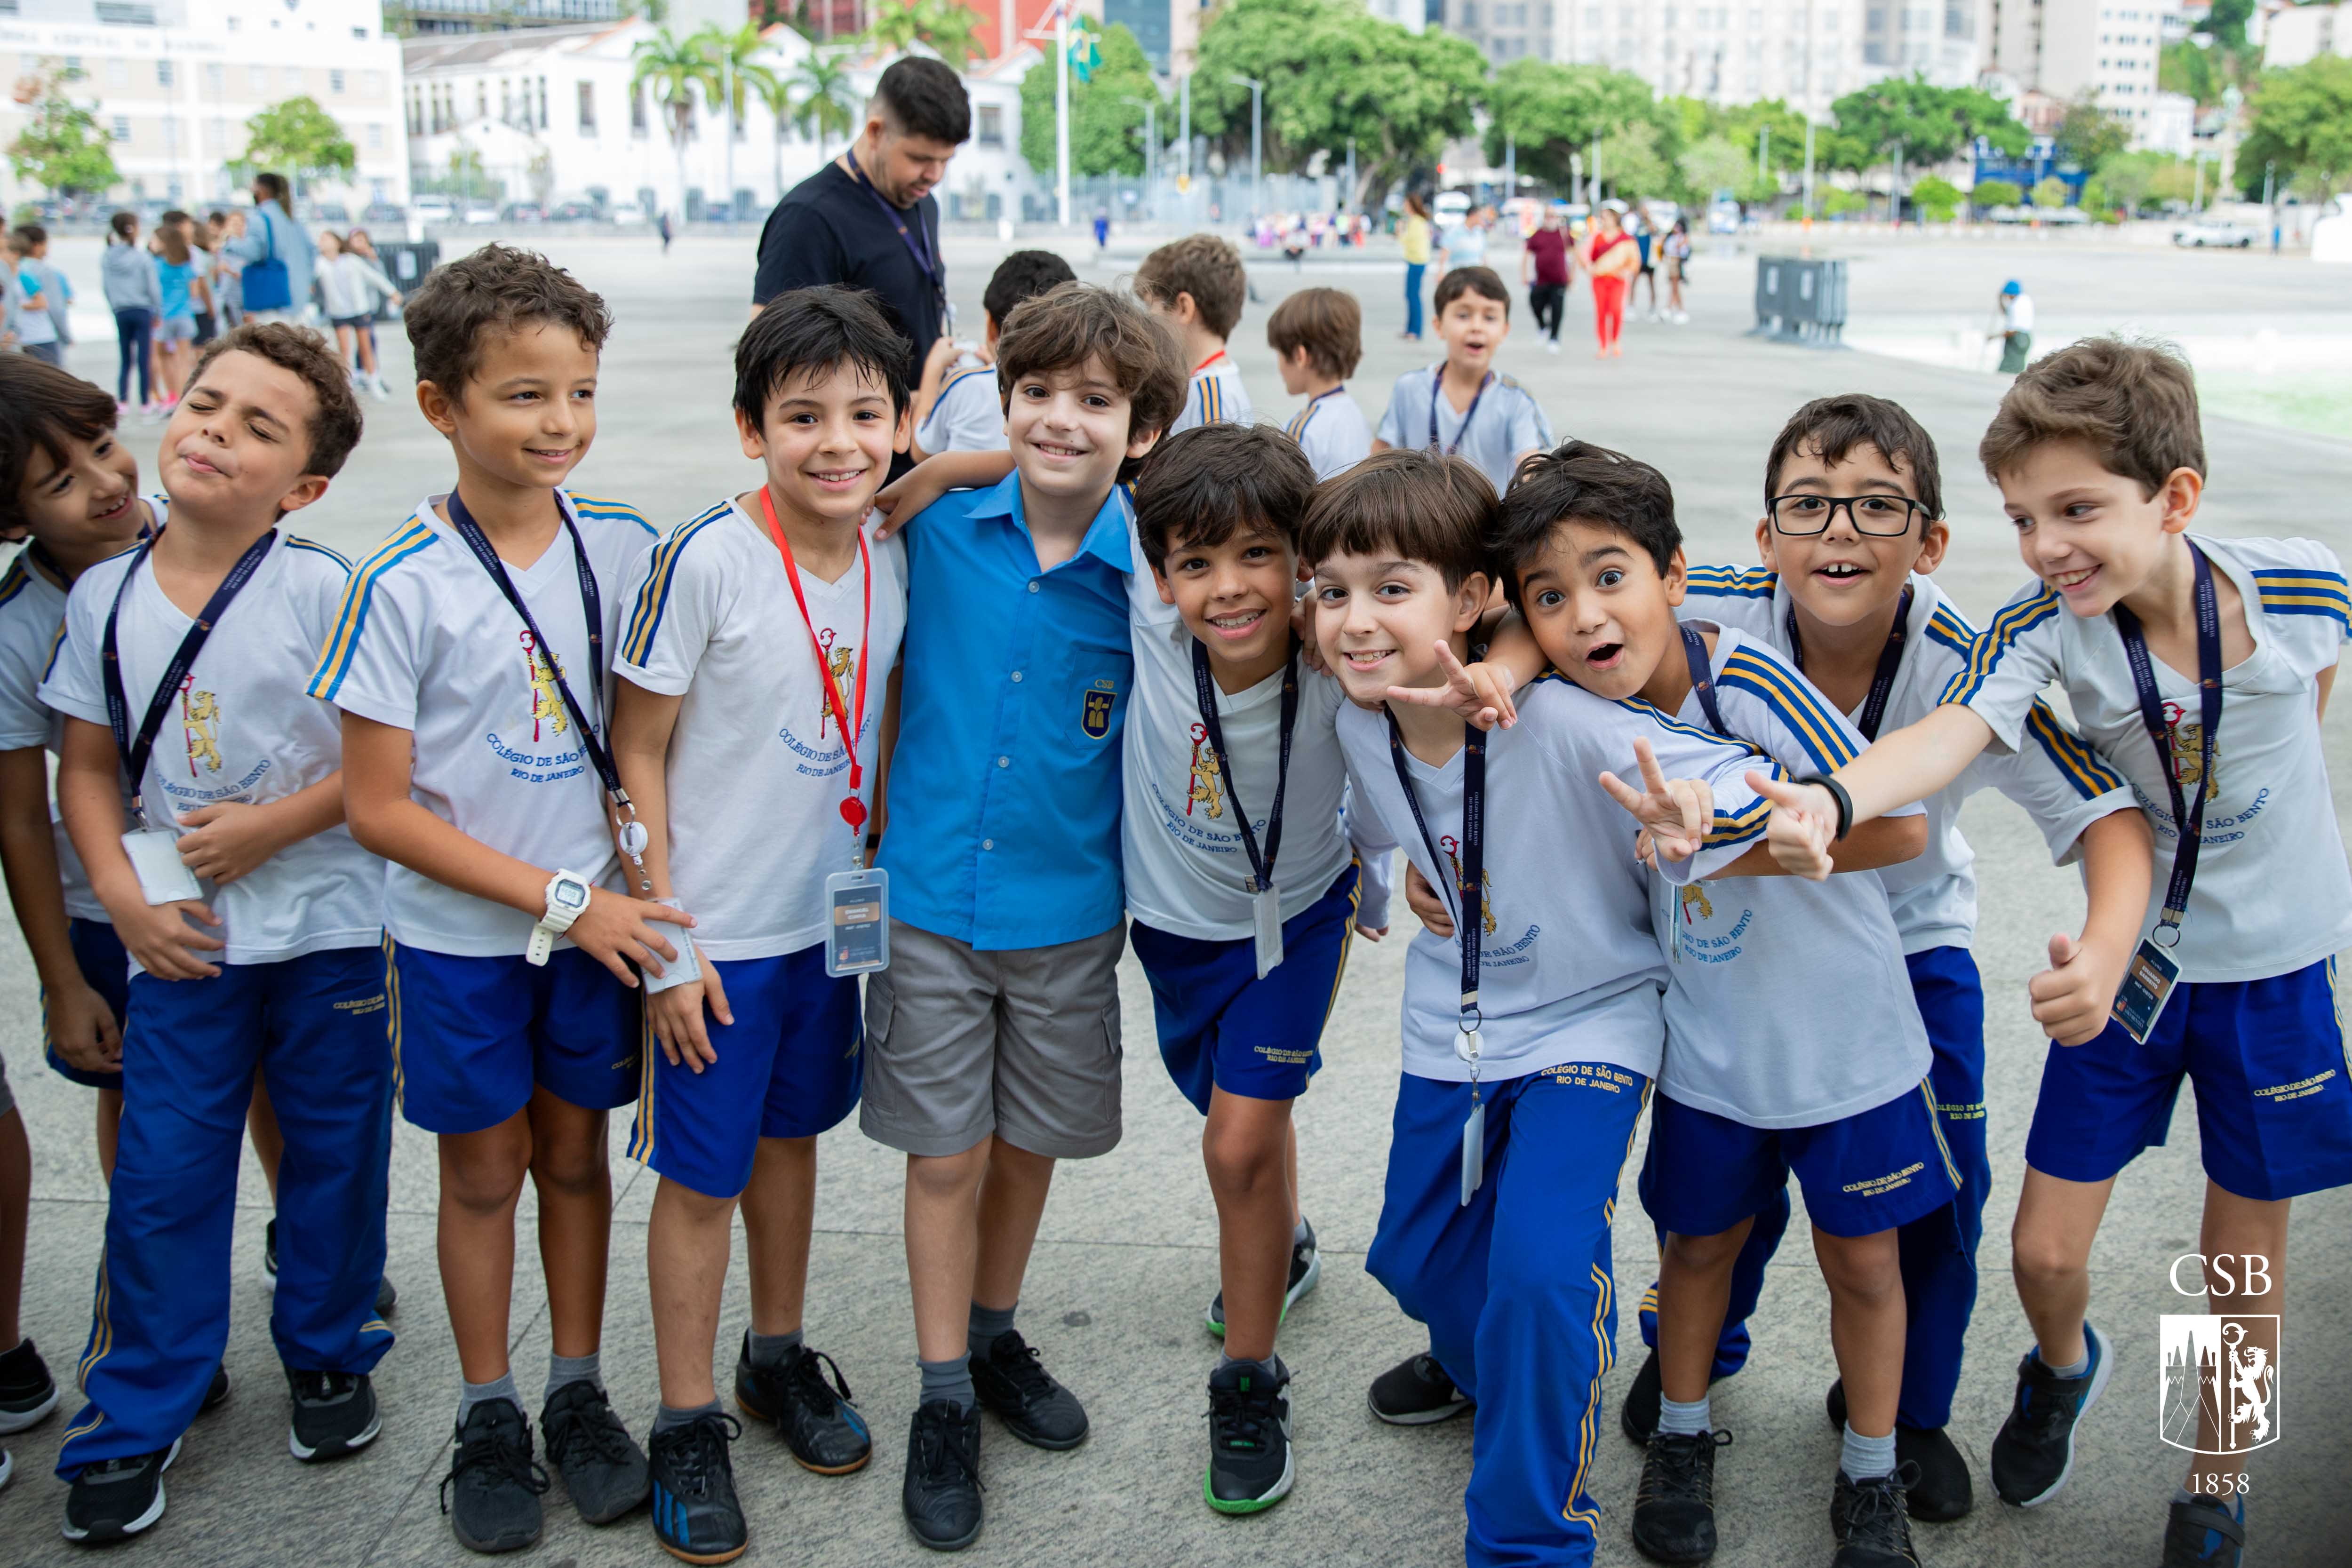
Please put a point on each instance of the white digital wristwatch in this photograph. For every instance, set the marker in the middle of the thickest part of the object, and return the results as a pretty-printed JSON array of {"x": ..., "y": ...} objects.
[{"x": 567, "y": 899}]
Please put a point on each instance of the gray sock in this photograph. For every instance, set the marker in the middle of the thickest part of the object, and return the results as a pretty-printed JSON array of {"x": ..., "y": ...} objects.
[
  {"x": 473, "y": 1393},
  {"x": 1684, "y": 1420},
  {"x": 672, "y": 1415},
  {"x": 1271, "y": 1365},
  {"x": 1302, "y": 1234},
  {"x": 950, "y": 1380},
  {"x": 2075, "y": 1368},
  {"x": 1863, "y": 1459},
  {"x": 771, "y": 1349},
  {"x": 987, "y": 1323},
  {"x": 564, "y": 1369}
]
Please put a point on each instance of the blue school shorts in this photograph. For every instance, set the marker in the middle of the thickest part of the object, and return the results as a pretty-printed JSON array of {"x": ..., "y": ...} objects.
[
  {"x": 472, "y": 1037},
  {"x": 2273, "y": 1101},
  {"x": 97, "y": 953},
  {"x": 790, "y": 1066},
  {"x": 1221, "y": 1026},
  {"x": 1862, "y": 1174}
]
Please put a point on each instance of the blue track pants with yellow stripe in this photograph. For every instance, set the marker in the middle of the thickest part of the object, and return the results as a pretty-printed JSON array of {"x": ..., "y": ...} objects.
[
  {"x": 1515, "y": 1287},
  {"x": 314, "y": 1026}
]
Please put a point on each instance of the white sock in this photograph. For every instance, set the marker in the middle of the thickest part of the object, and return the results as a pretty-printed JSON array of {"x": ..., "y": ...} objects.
[
  {"x": 1863, "y": 1459},
  {"x": 1682, "y": 1420}
]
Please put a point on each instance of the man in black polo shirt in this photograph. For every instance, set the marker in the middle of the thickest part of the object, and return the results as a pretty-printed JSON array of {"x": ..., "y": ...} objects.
[{"x": 868, "y": 219}]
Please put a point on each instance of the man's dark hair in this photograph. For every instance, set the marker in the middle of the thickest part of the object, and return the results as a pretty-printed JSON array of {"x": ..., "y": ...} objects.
[
  {"x": 275, "y": 189},
  {"x": 335, "y": 417},
  {"x": 1205, "y": 485},
  {"x": 41, "y": 409},
  {"x": 30, "y": 234},
  {"x": 2133, "y": 404},
  {"x": 1414, "y": 504},
  {"x": 814, "y": 330},
  {"x": 497, "y": 288},
  {"x": 1023, "y": 275},
  {"x": 1583, "y": 482},
  {"x": 1830, "y": 428},
  {"x": 923, "y": 98},
  {"x": 1326, "y": 322},
  {"x": 1207, "y": 266},
  {"x": 1071, "y": 323},
  {"x": 1461, "y": 280}
]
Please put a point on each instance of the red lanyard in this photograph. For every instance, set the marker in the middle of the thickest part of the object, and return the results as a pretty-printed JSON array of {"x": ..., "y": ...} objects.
[
  {"x": 853, "y": 809},
  {"x": 1212, "y": 360}
]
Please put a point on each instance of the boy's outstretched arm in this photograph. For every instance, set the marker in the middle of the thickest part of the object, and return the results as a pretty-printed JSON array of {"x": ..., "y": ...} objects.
[
  {"x": 2073, "y": 998},
  {"x": 1889, "y": 840},
  {"x": 932, "y": 477},
  {"x": 1909, "y": 765},
  {"x": 79, "y": 1021}
]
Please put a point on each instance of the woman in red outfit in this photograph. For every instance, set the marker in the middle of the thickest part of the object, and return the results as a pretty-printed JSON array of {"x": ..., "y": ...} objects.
[{"x": 1611, "y": 258}]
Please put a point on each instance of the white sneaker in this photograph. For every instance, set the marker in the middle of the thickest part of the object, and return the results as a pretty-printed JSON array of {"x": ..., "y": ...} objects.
[{"x": 1551, "y": 345}]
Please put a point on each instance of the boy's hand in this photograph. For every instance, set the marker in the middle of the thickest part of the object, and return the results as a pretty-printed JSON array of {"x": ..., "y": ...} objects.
[
  {"x": 676, "y": 1017},
  {"x": 1803, "y": 827},
  {"x": 900, "y": 499},
  {"x": 1371, "y": 933},
  {"x": 1424, "y": 900},
  {"x": 935, "y": 364},
  {"x": 1302, "y": 626},
  {"x": 158, "y": 936},
  {"x": 232, "y": 839},
  {"x": 1674, "y": 811},
  {"x": 82, "y": 1026},
  {"x": 1479, "y": 693},
  {"x": 614, "y": 929},
  {"x": 2074, "y": 997}
]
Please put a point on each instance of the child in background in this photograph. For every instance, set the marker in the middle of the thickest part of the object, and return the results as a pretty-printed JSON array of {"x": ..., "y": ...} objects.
[
  {"x": 126, "y": 273},
  {"x": 37, "y": 331},
  {"x": 228, "y": 297},
  {"x": 1317, "y": 337},
  {"x": 57, "y": 289},
  {"x": 963, "y": 410},
  {"x": 348, "y": 284},
  {"x": 183, "y": 293},
  {"x": 1460, "y": 406},
  {"x": 1197, "y": 285}
]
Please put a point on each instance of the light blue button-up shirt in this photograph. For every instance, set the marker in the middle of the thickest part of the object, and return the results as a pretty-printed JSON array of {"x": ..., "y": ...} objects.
[{"x": 1004, "y": 785}]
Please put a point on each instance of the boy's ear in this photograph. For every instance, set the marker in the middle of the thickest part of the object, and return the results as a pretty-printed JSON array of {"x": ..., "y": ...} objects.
[
  {"x": 1160, "y": 581},
  {"x": 1186, "y": 309},
  {"x": 1676, "y": 578},
  {"x": 1471, "y": 599},
  {"x": 307, "y": 489},
  {"x": 439, "y": 409},
  {"x": 1140, "y": 443},
  {"x": 905, "y": 437},
  {"x": 2183, "y": 488},
  {"x": 1764, "y": 543},
  {"x": 756, "y": 447},
  {"x": 1935, "y": 539}
]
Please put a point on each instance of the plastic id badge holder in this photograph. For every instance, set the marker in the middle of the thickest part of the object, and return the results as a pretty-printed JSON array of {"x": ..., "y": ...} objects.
[
  {"x": 2147, "y": 987},
  {"x": 685, "y": 969},
  {"x": 857, "y": 922},
  {"x": 163, "y": 876}
]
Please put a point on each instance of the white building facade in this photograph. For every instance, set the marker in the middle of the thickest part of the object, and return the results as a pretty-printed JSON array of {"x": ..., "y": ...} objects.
[
  {"x": 174, "y": 82},
  {"x": 2292, "y": 35},
  {"x": 2106, "y": 49}
]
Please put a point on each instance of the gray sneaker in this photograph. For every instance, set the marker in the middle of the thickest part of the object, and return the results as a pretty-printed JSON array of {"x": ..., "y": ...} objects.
[{"x": 603, "y": 1467}]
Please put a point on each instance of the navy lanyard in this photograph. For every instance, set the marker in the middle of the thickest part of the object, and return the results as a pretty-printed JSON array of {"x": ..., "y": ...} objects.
[
  {"x": 1702, "y": 677},
  {"x": 1470, "y": 904},
  {"x": 1261, "y": 864},
  {"x": 1317, "y": 401},
  {"x": 1436, "y": 392},
  {"x": 136, "y": 751},
  {"x": 2188, "y": 817},
  {"x": 1882, "y": 680},
  {"x": 917, "y": 242}
]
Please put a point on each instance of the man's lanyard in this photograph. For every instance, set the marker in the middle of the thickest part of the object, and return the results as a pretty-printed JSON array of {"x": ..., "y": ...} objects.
[
  {"x": 853, "y": 809},
  {"x": 2188, "y": 817},
  {"x": 1702, "y": 679},
  {"x": 1437, "y": 392},
  {"x": 1470, "y": 905},
  {"x": 632, "y": 837},
  {"x": 1882, "y": 680},
  {"x": 137, "y": 750},
  {"x": 917, "y": 242},
  {"x": 1261, "y": 864}
]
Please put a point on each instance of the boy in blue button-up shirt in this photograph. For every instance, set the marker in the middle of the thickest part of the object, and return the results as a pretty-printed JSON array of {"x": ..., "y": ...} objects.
[{"x": 992, "y": 1038}]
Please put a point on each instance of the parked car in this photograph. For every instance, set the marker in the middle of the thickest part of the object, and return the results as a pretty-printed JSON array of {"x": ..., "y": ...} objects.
[
  {"x": 1723, "y": 217},
  {"x": 573, "y": 212},
  {"x": 481, "y": 213},
  {"x": 626, "y": 213},
  {"x": 524, "y": 213},
  {"x": 2209, "y": 232},
  {"x": 382, "y": 213},
  {"x": 434, "y": 210},
  {"x": 1450, "y": 209},
  {"x": 331, "y": 213}
]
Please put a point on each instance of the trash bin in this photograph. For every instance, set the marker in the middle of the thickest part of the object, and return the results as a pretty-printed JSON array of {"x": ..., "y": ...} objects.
[
  {"x": 1800, "y": 300},
  {"x": 406, "y": 262}
]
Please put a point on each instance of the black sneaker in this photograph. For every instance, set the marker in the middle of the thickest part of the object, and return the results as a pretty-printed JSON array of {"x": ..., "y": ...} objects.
[
  {"x": 2204, "y": 1534},
  {"x": 1673, "y": 1511},
  {"x": 215, "y": 1392},
  {"x": 1305, "y": 1269},
  {"x": 498, "y": 1483},
  {"x": 2034, "y": 1453},
  {"x": 1638, "y": 1416},
  {"x": 601, "y": 1466},
  {"x": 28, "y": 1392},
  {"x": 334, "y": 1414},
  {"x": 1013, "y": 1382},
  {"x": 696, "y": 1516},
  {"x": 811, "y": 1413},
  {"x": 116, "y": 1498},
  {"x": 387, "y": 1294},
  {"x": 1871, "y": 1522},
  {"x": 7, "y": 1467},
  {"x": 1942, "y": 1490},
  {"x": 1416, "y": 1392},
  {"x": 1250, "y": 1464},
  {"x": 942, "y": 1494}
]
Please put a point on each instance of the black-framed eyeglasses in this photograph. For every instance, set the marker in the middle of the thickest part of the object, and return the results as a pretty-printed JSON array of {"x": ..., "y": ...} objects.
[{"x": 1882, "y": 517}]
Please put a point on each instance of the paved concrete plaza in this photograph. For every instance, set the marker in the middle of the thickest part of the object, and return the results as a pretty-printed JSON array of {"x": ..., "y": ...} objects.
[{"x": 1126, "y": 1258}]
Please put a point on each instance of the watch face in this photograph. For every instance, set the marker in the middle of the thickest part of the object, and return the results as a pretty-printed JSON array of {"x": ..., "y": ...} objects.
[{"x": 570, "y": 895}]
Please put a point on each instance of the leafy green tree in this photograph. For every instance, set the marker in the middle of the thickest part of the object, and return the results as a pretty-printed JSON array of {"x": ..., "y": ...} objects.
[
  {"x": 1910, "y": 120},
  {"x": 300, "y": 138},
  {"x": 1936, "y": 198},
  {"x": 734, "y": 64},
  {"x": 1105, "y": 131},
  {"x": 2227, "y": 22},
  {"x": 1837, "y": 201},
  {"x": 1744, "y": 126},
  {"x": 2129, "y": 182},
  {"x": 2183, "y": 67},
  {"x": 1631, "y": 165},
  {"x": 1714, "y": 164},
  {"x": 675, "y": 69},
  {"x": 1555, "y": 112},
  {"x": 1997, "y": 193},
  {"x": 828, "y": 100},
  {"x": 61, "y": 148},
  {"x": 948, "y": 29},
  {"x": 2052, "y": 193},
  {"x": 2302, "y": 123},
  {"x": 2088, "y": 135}
]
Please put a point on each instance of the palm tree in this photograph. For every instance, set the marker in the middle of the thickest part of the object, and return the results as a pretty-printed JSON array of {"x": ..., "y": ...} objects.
[
  {"x": 736, "y": 73},
  {"x": 897, "y": 24},
  {"x": 776, "y": 93},
  {"x": 675, "y": 67},
  {"x": 950, "y": 29},
  {"x": 829, "y": 103}
]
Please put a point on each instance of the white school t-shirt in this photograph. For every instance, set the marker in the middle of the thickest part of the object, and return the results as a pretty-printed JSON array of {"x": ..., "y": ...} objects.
[
  {"x": 241, "y": 729},
  {"x": 757, "y": 772},
  {"x": 1788, "y": 1002},
  {"x": 425, "y": 642},
  {"x": 1215, "y": 396},
  {"x": 1333, "y": 433},
  {"x": 967, "y": 417},
  {"x": 2272, "y": 892},
  {"x": 2058, "y": 779},
  {"x": 1570, "y": 971},
  {"x": 32, "y": 614},
  {"x": 1500, "y": 424}
]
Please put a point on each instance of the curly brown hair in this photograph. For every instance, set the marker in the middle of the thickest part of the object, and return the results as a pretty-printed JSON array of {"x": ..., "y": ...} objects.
[
  {"x": 497, "y": 288},
  {"x": 1069, "y": 325},
  {"x": 2132, "y": 402},
  {"x": 335, "y": 420},
  {"x": 1205, "y": 267}
]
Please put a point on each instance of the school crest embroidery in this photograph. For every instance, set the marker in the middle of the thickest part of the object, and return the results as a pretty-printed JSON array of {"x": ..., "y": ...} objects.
[
  {"x": 1697, "y": 895},
  {"x": 200, "y": 722},
  {"x": 841, "y": 662},
  {"x": 1485, "y": 880},
  {"x": 1206, "y": 791},
  {"x": 548, "y": 717},
  {"x": 1093, "y": 712},
  {"x": 2187, "y": 737},
  {"x": 2218, "y": 1384}
]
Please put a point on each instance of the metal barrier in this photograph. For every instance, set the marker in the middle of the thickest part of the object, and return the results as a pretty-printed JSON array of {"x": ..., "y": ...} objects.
[
  {"x": 406, "y": 262},
  {"x": 1800, "y": 300}
]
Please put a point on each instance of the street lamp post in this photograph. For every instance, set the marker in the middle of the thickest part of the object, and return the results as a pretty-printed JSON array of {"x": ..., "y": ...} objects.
[
  {"x": 1257, "y": 92},
  {"x": 1150, "y": 148},
  {"x": 1062, "y": 116}
]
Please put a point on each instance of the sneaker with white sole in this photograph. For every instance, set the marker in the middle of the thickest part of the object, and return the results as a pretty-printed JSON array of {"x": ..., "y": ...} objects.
[
  {"x": 334, "y": 1414},
  {"x": 116, "y": 1498},
  {"x": 1416, "y": 1392},
  {"x": 28, "y": 1392},
  {"x": 2034, "y": 1453},
  {"x": 1305, "y": 1269},
  {"x": 1251, "y": 1466}
]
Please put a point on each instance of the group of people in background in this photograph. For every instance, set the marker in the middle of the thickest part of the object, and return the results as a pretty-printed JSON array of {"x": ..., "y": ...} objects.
[{"x": 1616, "y": 254}]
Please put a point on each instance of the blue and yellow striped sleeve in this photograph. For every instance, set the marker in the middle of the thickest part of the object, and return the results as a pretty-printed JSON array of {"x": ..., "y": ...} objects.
[
  {"x": 1998, "y": 640},
  {"x": 652, "y": 601},
  {"x": 1733, "y": 581},
  {"x": 2074, "y": 759},
  {"x": 1793, "y": 703},
  {"x": 350, "y": 617},
  {"x": 605, "y": 509},
  {"x": 2305, "y": 591}
]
